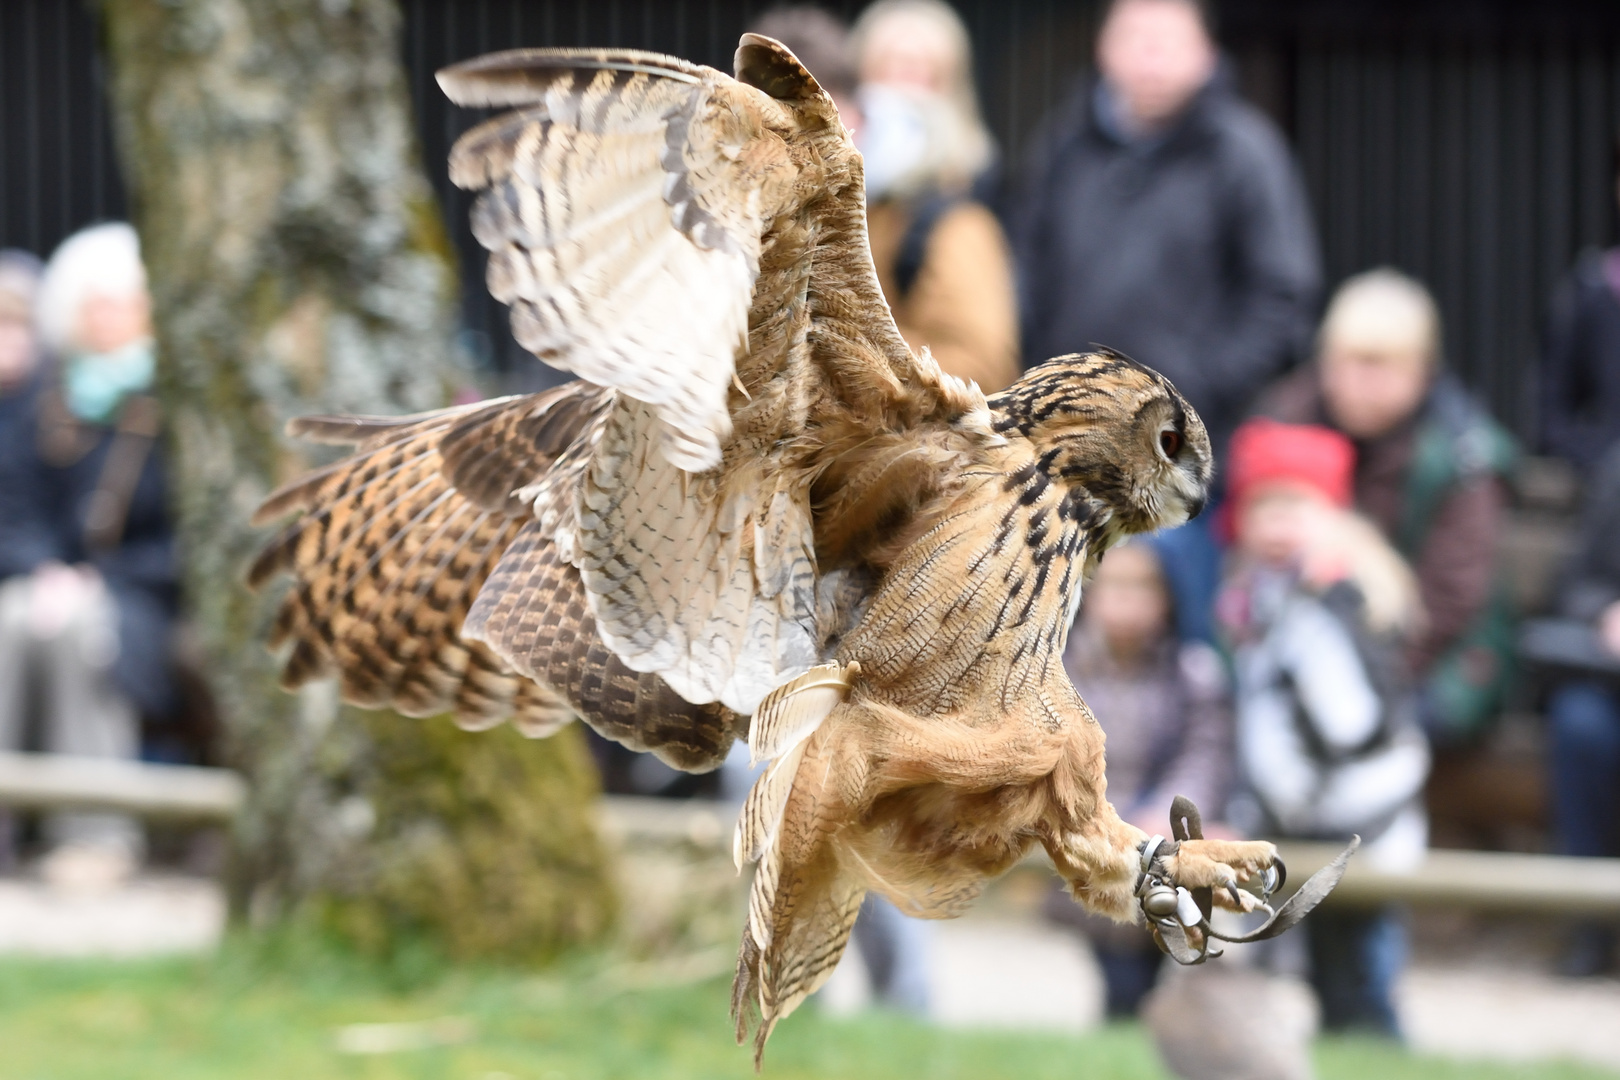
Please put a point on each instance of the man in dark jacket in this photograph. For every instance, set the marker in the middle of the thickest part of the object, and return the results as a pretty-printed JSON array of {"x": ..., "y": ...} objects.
[{"x": 1161, "y": 216}]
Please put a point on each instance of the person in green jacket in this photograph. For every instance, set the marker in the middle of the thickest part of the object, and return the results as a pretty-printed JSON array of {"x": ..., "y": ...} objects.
[{"x": 1430, "y": 470}]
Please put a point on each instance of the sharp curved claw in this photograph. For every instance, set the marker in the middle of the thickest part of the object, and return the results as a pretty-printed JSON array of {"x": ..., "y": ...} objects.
[
  {"x": 1281, "y": 867},
  {"x": 1232, "y": 890}
]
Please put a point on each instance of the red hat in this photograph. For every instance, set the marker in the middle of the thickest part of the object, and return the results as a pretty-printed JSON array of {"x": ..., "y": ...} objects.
[{"x": 1265, "y": 451}]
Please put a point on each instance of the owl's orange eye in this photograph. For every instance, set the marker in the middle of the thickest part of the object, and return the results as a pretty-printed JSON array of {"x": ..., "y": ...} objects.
[{"x": 1170, "y": 442}]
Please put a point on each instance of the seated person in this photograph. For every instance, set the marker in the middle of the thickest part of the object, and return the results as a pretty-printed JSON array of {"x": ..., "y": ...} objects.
[
  {"x": 1428, "y": 472},
  {"x": 87, "y": 574},
  {"x": 1164, "y": 707},
  {"x": 1316, "y": 610},
  {"x": 1585, "y": 714}
]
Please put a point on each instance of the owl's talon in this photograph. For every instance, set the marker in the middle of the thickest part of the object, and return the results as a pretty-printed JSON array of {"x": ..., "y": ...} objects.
[{"x": 1178, "y": 919}]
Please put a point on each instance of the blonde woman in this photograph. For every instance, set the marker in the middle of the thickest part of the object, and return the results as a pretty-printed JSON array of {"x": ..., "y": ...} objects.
[
  {"x": 1429, "y": 473},
  {"x": 941, "y": 256}
]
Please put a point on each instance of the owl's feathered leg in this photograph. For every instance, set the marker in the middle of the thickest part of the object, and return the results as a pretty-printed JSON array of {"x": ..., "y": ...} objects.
[{"x": 1100, "y": 855}]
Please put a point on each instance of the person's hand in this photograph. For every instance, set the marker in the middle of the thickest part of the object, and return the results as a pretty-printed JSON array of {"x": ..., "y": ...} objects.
[
  {"x": 1609, "y": 628},
  {"x": 58, "y": 594}
]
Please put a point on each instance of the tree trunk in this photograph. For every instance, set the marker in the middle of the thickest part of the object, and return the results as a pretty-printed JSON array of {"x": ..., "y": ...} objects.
[{"x": 299, "y": 265}]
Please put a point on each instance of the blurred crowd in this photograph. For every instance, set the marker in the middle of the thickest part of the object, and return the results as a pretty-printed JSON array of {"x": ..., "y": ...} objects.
[{"x": 1292, "y": 660}]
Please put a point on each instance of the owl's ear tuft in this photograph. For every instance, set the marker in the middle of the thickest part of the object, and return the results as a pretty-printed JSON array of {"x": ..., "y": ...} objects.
[{"x": 769, "y": 65}]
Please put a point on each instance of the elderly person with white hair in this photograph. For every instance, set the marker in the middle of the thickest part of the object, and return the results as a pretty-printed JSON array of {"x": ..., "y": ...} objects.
[
  {"x": 1430, "y": 464},
  {"x": 88, "y": 587}
]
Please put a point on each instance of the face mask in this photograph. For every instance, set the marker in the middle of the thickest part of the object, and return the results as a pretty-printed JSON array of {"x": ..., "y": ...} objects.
[
  {"x": 895, "y": 137},
  {"x": 95, "y": 384}
]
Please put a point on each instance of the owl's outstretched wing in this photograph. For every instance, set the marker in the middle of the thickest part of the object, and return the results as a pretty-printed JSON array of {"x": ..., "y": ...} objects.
[{"x": 694, "y": 247}]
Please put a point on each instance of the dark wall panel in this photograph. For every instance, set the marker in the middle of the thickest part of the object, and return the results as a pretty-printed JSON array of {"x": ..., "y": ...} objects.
[
  {"x": 1470, "y": 142},
  {"x": 57, "y": 168}
]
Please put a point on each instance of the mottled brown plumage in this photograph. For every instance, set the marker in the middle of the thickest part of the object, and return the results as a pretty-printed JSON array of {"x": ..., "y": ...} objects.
[{"x": 759, "y": 513}]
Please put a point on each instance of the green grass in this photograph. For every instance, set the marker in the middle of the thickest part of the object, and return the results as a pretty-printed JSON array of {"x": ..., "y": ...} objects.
[{"x": 255, "y": 1012}]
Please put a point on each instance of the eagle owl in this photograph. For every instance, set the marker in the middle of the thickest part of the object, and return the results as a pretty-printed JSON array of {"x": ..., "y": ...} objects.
[{"x": 758, "y": 514}]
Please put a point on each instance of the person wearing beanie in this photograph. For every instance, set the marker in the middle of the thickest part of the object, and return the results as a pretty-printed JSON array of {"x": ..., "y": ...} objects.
[
  {"x": 1429, "y": 471},
  {"x": 88, "y": 581},
  {"x": 1316, "y": 610}
]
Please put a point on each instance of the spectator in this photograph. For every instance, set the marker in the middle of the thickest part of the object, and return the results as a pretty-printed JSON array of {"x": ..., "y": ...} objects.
[
  {"x": 1328, "y": 744},
  {"x": 1161, "y": 216},
  {"x": 1165, "y": 709},
  {"x": 1580, "y": 372},
  {"x": 89, "y": 591},
  {"x": 941, "y": 257},
  {"x": 19, "y": 385},
  {"x": 1585, "y": 714},
  {"x": 1429, "y": 469}
]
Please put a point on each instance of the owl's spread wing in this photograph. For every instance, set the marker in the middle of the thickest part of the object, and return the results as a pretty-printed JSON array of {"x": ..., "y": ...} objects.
[
  {"x": 387, "y": 557},
  {"x": 694, "y": 247},
  {"x": 394, "y": 543},
  {"x": 697, "y": 243}
]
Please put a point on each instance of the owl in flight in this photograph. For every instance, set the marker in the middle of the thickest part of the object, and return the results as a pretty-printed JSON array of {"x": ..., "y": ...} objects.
[{"x": 756, "y": 515}]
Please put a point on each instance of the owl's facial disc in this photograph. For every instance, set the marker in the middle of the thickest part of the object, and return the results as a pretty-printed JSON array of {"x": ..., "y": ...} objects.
[{"x": 1172, "y": 484}]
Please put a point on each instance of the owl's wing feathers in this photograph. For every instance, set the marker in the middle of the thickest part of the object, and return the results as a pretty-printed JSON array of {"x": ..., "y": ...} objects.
[
  {"x": 387, "y": 557},
  {"x": 693, "y": 246},
  {"x": 697, "y": 243},
  {"x": 621, "y": 207}
]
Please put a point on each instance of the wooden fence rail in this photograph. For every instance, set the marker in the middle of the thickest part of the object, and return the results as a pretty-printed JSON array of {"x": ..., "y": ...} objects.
[
  {"x": 59, "y": 782},
  {"x": 1461, "y": 879},
  {"x": 1481, "y": 880}
]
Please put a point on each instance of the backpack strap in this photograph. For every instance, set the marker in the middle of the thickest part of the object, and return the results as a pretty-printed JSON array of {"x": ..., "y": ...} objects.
[
  {"x": 133, "y": 439},
  {"x": 1456, "y": 441},
  {"x": 1432, "y": 474},
  {"x": 925, "y": 214}
]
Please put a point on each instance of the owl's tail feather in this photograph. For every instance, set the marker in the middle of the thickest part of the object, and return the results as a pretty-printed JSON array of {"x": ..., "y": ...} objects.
[
  {"x": 802, "y": 903},
  {"x": 812, "y": 910}
]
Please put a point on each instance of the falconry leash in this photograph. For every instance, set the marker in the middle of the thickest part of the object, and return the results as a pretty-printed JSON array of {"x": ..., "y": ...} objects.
[{"x": 1172, "y": 910}]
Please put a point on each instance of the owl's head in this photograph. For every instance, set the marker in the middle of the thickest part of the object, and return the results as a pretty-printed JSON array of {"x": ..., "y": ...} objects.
[{"x": 1103, "y": 422}]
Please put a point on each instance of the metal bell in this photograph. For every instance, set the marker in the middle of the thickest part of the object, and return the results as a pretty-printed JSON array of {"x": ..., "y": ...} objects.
[{"x": 1160, "y": 902}]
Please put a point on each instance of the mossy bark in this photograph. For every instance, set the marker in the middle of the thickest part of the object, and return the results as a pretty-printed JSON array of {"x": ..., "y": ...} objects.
[{"x": 299, "y": 265}]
